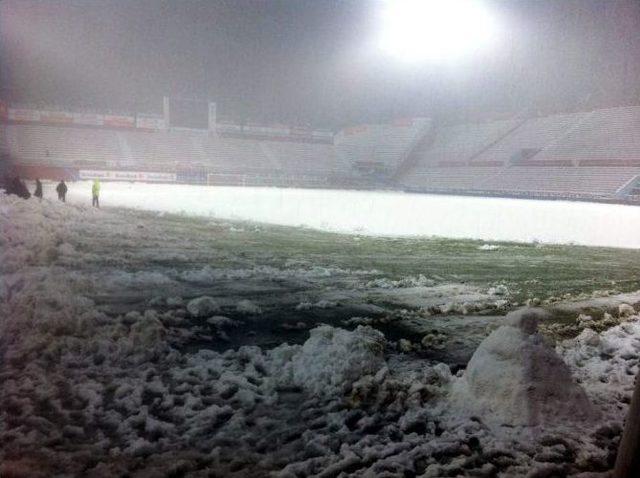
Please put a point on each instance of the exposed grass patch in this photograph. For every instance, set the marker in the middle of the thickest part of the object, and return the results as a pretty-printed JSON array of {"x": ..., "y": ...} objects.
[{"x": 528, "y": 270}]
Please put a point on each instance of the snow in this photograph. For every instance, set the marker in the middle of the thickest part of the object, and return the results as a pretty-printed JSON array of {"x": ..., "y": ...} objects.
[
  {"x": 607, "y": 363},
  {"x": 332, "y": 359},
  {"x": 246, "y": 306},
  {"x": 625, "y": 310},
  {"x": 516, "y": 378},
  {"x": 98, "y": 378},
  {"x": 203, "y": 306},
  {"x": 386, "y": 213}
]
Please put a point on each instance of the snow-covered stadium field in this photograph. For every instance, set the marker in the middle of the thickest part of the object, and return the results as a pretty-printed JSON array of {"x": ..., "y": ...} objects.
[
  {"x": 145, "y": 343},
  {"x": 387, "y": 213}
]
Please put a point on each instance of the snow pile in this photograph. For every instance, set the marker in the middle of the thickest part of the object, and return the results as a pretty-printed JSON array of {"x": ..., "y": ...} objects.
[
  {"x": 499, "y": 289},
  {"x": 203, "y": 306},
  {"x": 409, "y": 281},
  {"x": 208, "y": 275},
  {"x": 321, "y": 304},
  {"x": 122, "y": 279},
  {"x": 606, "y": 364},
  {"x": 516, "y": 378},
  {"x": 248, "y": 307},
  {"x": 625, "y": 310},
  {"x": 332, "y": 359}
]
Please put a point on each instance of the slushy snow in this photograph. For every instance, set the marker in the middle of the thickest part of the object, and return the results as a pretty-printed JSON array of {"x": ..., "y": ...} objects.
[{"x": 90, "y": 390}]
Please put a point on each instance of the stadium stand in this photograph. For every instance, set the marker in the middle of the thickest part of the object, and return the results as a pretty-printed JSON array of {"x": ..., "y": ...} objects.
[
  {"x": 379, "y": 148},
  {"x": 62, "y": 146},
  {"x": 457, "y": 144},
  {"x": 240, "y": 161},
  {"x": 451, "y": 179},
  {"x": 561, "y": 181},
  {"x": 590, "y": 155},
  {"x": 531, "y": 137},
  {"x": 608, "y": 136}
]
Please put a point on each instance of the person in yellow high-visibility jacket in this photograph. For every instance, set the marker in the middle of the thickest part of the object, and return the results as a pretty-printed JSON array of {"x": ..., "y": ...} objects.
[{"x": 95, "y": 192}]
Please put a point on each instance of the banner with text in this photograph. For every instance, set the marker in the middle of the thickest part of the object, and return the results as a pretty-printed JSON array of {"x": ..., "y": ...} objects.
[{"x": 113, "y": 175}]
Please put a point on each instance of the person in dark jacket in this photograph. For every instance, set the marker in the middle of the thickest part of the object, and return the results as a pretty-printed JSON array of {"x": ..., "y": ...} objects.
[
  {"x": 38, "y": 191},
  {"x": 18, "y": 188},
  {"x": 62, "y": 191}
]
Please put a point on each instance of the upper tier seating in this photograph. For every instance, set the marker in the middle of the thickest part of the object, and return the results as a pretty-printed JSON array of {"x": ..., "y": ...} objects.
[
  {"x": 533, "y": 134},
  {"x": 384, "y": 144},
  {"x": 608, "y": 135},
  {"x": 457, "y": 144}
]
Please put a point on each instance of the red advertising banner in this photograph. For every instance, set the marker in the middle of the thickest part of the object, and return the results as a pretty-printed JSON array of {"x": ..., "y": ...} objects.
[
  {"x": 355, "y": 130},
  {"x": 36, "y": 171},
  {"x": 402, "y": 122},
  {"x": 4, "y": 111},
  {"x": 23, "y": 114},
  {"x": 117, "y": 121},
  {"x": 56, "y": 117}
]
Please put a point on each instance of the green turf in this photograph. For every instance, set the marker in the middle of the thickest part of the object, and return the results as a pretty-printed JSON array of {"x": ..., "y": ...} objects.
[{"x": 529, "y": 270}]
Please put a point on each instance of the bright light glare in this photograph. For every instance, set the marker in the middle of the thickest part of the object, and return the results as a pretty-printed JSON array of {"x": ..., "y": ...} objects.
[{"x": 435, "y": 30}]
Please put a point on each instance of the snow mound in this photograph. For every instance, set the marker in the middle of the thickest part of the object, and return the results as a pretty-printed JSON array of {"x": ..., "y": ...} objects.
[
  {"x": 221, "y": 321},
  {"x": 500, "y": 289},
  {"x": 625, "y": 310},
  {"x": 248, "y": 307},
  {"x": 606, "y": 363},
  {"x": 406, "y": 282},
  {"x": 332, "y": 359},
  {"x": 203, "y": 306},
  {"x": 515, "y": 378}
]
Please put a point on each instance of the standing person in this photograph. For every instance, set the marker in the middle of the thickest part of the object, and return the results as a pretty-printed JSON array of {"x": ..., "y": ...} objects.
[
  {"x": 95, "y": 192},
  {"x": 19, "y": 188},
  {"x": 62, "y": 191},
  {"x": 38, "y": 191}
]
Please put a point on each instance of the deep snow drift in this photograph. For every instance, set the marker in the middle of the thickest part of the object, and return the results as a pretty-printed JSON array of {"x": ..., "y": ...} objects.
[
  {"x": 386, "y": 213},
  {"x": 96, "y": 378}
]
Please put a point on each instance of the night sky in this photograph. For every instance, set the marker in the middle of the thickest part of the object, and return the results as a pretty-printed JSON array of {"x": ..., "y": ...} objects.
[{"x": 311, "y": 61}]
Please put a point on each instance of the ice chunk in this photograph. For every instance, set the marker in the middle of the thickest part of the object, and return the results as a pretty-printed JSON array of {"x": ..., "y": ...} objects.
[
  {"x": 588, "y": 337},
  {"x": 500, "y": 289},
  {"x": 220, "y": 321},
  {"x": 248, "y": 307},
  {"x": 175, "y": 301},
  {"x": 202, "y": 306},
  {"x": 488, "y": 247},
  {"x": 625, "y": 310}
]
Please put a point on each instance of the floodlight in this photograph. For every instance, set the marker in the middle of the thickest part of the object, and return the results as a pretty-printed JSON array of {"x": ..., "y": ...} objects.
[{"x": 435, "y": 30}]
